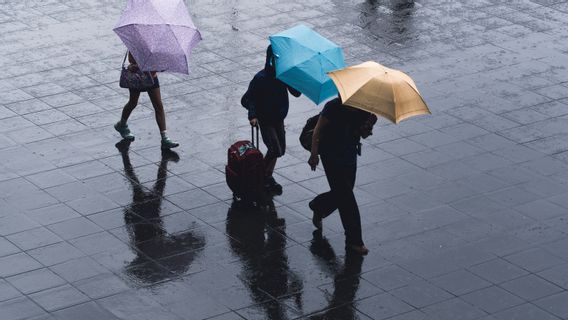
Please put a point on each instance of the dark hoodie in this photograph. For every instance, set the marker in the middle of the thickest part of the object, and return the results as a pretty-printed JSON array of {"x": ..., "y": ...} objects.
[{"x": 267, "y": 97}]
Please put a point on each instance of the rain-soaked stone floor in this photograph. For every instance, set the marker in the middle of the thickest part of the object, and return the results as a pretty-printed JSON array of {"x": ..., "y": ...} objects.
[{"x": 465, "y": 211}]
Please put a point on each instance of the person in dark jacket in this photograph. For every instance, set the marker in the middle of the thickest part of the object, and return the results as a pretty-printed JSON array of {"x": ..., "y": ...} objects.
[
  {"x": 267, "y": 102},
  {"x": 336, "y": 139}
]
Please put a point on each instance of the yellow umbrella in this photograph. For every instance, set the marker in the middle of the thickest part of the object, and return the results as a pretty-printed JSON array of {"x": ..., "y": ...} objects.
[{"x": 383, "y": 91}]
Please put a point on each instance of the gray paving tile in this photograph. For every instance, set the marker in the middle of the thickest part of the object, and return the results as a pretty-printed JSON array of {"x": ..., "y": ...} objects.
[
  {"x": 557, "y": 275},
  {"x": 16, "y": 264},
  {"x": 497, "y": 271},
  {"x": 420, "y": 294},
  {"x": 55, "y": 253},
  {"x": 383, "y": 306},
  {"x": 531, "y": 287},
  {"x": 34, "y": 238},
  {"x": 50, "y": 178},
  {"x": 92, "y": 204},
  {"x": 401, "y": 147},
  {"x": 448, "y": 261},
  {"x": 525, "y": 311},
  {"x": 101, "y": 286},
  {"x": 58, "y": 298},
  {"x": 7, "y": 248},
  {"x": 512, "y": 196},
  {"x": 492, "y": 299},
  {"x": 460, "y": 282},
  {"x": 78, "y": 269},
  {"x": 7, "y": 291},
  {"x": 390, "y": 277},
  {"x": 534, "y": 260},
  {"x": 74, "y": 228},
  {"x": 555, "y": 304},
  {"x": 541, "y": 209},
  {"x": 87, "y": 311},
  {"x": 35, "y": 281},
  {"x": 556, "y": 247},
  {"x": 453, "y": 309},
  {"x": 540, "y": 233},
  {"x": 192, "y": 199},
  {"x": 16, "y": 223},
  {"x": 98, "y": 242},
  {"x": 20, "y": 308}
]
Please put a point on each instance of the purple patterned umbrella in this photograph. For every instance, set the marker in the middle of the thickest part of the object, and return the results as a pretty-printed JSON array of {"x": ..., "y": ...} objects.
[{"x": 159, "y": 33}]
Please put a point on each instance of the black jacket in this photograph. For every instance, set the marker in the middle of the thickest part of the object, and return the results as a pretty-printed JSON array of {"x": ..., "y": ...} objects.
[{"x": 267, "y": 97}]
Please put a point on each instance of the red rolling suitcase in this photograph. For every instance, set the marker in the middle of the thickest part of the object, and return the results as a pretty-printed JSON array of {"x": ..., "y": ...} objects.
[{"x": 245, "y": 170}]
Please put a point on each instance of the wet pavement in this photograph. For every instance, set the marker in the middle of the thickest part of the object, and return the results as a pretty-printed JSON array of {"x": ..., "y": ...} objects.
[{"x": 465, "y": 211}]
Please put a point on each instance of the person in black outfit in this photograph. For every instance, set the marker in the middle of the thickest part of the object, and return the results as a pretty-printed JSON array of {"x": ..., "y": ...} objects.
[
  {"x": 336, "y": 138},
  {"x": 267, "y": 102}
]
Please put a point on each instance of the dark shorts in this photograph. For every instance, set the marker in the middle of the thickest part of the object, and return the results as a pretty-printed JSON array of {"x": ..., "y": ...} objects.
[
  {"x": 274, "y": 137},
  {"x": 156, "y": 85}
]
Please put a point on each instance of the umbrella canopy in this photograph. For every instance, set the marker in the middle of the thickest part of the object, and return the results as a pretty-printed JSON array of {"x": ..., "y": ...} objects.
[
  {"x": 375, "y": 88},
  {"x": 159, "y": 33},
  {"x": 303, "y": 58}
]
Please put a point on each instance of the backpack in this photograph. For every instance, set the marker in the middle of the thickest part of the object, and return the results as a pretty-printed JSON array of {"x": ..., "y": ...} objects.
[{"x": 308, "y": 132}]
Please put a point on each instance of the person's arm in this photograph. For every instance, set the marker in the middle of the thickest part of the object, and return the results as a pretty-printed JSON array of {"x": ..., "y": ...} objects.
[
  {"x": 131, "y": 58},
  {"x": 316, "y": 137},
  {"x": 133, "y": 65},
  {"x": 247, "y": 101}
]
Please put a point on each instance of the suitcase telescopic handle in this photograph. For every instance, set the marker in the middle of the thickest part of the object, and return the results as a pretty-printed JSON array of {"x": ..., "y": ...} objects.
[{"x": 252, "y": 136}]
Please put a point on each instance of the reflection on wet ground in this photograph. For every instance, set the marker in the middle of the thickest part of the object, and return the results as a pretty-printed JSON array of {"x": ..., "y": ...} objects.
[
  {"x": 464, "y": 211},
  {"x": 258, "y": 238},
  {"x": 346, "y": 279},
  {"x": 390, "y": 19},
  {"x": 159, "y": 254}
]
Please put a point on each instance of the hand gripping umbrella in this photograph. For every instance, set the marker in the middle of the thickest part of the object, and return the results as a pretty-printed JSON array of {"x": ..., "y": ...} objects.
[
  {"x": 159, "y": 34},
  {"x": 303, "y": 58},
  {"x": 383, "y": 91}
]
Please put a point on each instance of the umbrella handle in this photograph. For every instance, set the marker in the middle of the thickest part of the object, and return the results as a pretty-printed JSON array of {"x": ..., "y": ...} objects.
[
  {"x": 124, "y": 60},
  {"x": 257, "y": 135}
]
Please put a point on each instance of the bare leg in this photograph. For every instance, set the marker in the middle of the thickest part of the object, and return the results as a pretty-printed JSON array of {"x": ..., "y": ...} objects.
[
  {"x": 130, "y": 105},
  {"x": 156, "y": 99}
]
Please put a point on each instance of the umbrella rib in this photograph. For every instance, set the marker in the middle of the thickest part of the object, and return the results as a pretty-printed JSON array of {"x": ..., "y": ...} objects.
[
  {"x": 393, "y": 96},
  {"x": 419, "y": 95},
  {"x": 337, "y": 85},
  {"x": 414, "y": 112},
  {"x": 323, "y": 53}
]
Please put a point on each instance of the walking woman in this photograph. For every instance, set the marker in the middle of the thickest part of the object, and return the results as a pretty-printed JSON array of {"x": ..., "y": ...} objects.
[
  {"x": 336, "y": 139},
  {"x": 155, "y": 98}
]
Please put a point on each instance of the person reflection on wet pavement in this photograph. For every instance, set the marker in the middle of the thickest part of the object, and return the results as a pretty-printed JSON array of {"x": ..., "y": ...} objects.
[
  {"x": 258, "y": 238},
  {"x": 160, "y": 255},
  {"x": 389, "y": 19},
  {"x": 346, "y": 279}
]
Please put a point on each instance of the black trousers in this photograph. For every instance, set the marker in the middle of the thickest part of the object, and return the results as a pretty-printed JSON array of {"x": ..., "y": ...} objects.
[{"x": 341, "y": 179}]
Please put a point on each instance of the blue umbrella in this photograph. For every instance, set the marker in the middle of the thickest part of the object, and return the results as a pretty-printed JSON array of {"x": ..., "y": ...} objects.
[{"x": 303, "y": 58}]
